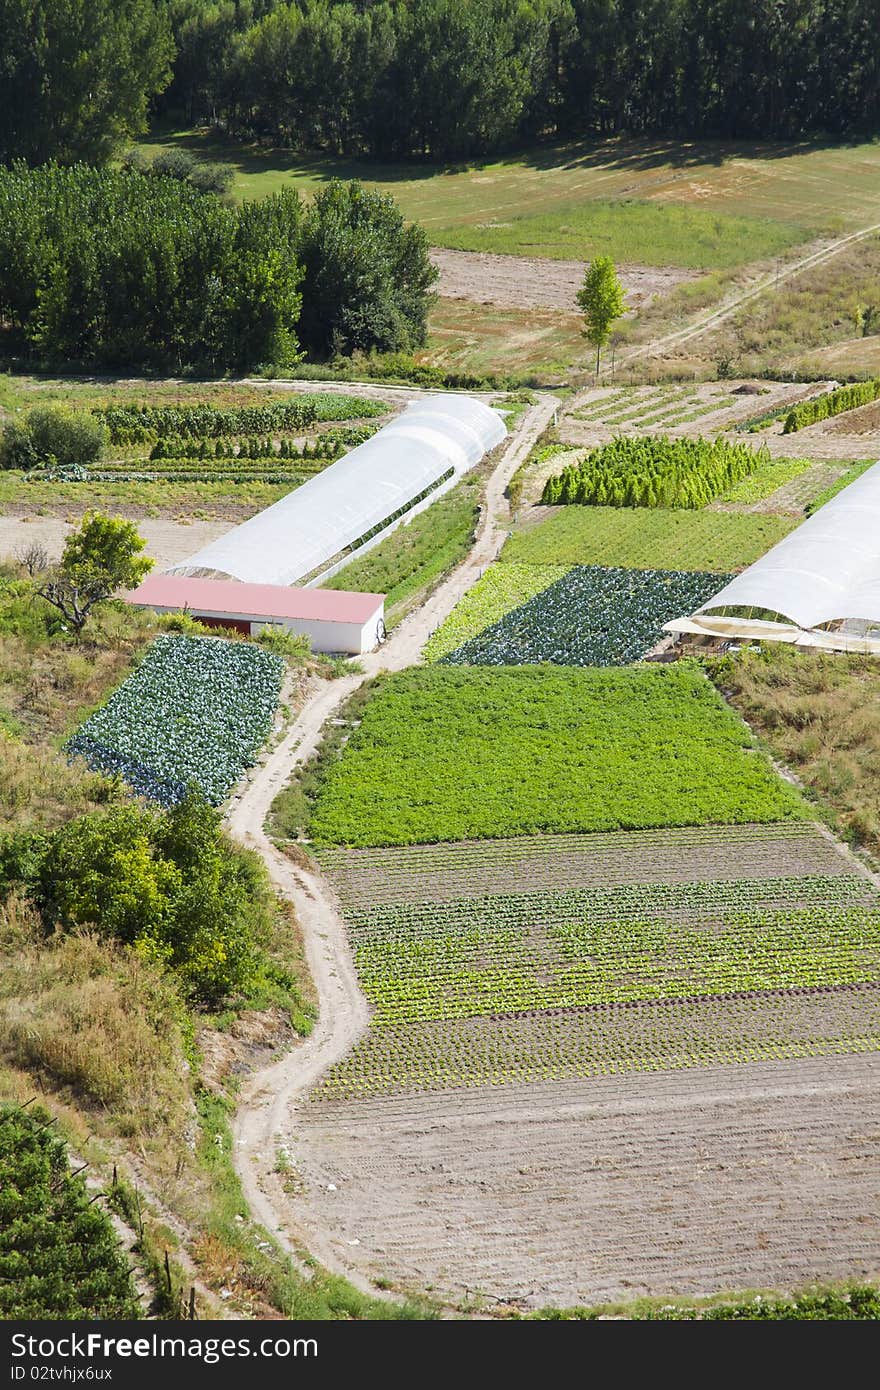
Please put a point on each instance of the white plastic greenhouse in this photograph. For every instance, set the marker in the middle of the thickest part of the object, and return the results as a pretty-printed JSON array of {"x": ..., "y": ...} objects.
[
  {"x": 818, "y": 587},
  {"x": 356, "y": 501}
]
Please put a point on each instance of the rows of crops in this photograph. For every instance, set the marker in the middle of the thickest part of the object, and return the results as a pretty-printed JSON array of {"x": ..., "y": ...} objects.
[
  {"x": 455, "y": 753},
  {"x": 141, "y": 424},
  {"x": 653, "y": 472},
  {"x": 515, "y": 952},
  {"x": 367, "y": 878},
  {"x": 567, "y": 1044},
  {"x": 592, "y": 616},
  {"x": 59, "y": 1254},
  {"x": 196, "y": 711},
  {"x": 832, "y": 403},
  {"x": 646, "y": 538}
]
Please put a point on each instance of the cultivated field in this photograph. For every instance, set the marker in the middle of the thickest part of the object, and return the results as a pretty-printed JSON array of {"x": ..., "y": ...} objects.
[
  {"x": 760, "y": 1175},
  {"x": 452, "y": 753}
]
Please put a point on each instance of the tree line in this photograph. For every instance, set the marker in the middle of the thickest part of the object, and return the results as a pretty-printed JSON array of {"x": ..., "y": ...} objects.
[
  {"x": 109, "y": 267},
  {"x": 436, "y": 78}
]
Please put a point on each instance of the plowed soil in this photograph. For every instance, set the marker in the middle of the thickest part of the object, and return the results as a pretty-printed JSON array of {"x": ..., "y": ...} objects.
[
  {"x": 525, "y": 282},
  {"x": 589, "y": 1191}
]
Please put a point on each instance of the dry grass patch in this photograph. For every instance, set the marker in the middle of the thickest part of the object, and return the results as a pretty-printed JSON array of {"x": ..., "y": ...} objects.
[
  {"x": 820, "y": 714},
  {"x": 96, "y": 1020}
]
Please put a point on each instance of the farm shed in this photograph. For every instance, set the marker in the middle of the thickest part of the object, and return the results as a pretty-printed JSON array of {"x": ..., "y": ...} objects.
[
  {"x": 818, "y": 587},
  {"x": 353, "y": 503},
  {"x": 332, "y": 619}
]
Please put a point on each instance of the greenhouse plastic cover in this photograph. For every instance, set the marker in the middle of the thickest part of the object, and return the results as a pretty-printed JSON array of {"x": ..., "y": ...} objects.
[
  {"x": 827, "y": 571},
  {"x": 305, "y": 530}
]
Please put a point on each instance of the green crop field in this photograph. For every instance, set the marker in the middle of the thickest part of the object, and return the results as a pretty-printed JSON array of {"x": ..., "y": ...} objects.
[
  {"x": 458, "y": 753},
  {"x": 565, "y": 1044},
  {"x": 647, "y": 538},
  {"x": 511, "y": 952},
  {"x": 589, "y": 615},
  {"x": 771, "y": 475}
]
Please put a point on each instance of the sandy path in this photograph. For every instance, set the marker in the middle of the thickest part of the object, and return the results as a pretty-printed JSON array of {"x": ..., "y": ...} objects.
[
  {"x": 167, "y": 541},
  {"x": 531, "y": 282},
  {"x": 270, "y": 1097}
]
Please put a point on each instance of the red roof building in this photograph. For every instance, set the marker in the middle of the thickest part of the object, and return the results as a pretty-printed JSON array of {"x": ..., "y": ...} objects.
[{"x": 334, "y": 620}]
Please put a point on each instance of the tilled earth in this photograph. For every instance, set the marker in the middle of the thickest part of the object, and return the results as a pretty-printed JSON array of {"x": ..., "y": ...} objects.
[{"x": 579, "y": 1192}]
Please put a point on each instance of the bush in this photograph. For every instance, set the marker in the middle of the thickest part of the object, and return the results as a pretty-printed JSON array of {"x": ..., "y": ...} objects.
[
  {"x": 653, "y": 472},
  {"x": 170, "y": 885},
  {"x": 70, "y": 436}
]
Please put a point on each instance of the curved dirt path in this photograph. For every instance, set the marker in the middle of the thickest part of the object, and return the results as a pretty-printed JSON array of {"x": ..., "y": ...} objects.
[{"x": 269, "y": 1096}]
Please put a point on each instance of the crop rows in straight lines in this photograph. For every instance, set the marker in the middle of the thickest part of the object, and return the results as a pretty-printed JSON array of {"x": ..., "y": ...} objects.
[
  {"x": 577, "y": 1043},
  {"x": 507, "y": 954},
  {"x": 370, "y": 877},
  {"x": 592, "y": 616}
]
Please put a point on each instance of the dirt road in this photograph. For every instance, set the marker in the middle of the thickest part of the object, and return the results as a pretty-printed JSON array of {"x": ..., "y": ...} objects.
[{"x": 269, "y": 1098}]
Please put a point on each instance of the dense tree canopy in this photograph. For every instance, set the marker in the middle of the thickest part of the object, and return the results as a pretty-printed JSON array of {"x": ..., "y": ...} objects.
[
  {"x": 76, "y": 76},
  {"x": 116, "y": 267},
  {"x": 451, "y": 78}
]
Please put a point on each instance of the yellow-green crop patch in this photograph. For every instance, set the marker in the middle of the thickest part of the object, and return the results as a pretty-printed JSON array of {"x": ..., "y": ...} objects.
[
  {"x": 498, "y": 592},
  {"x": 648, "y": 538},
  {"x": 453, "y": 753}
]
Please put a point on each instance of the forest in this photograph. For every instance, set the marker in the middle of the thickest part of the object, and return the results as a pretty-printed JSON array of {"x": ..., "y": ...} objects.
[{"x": 443, "y": 79}]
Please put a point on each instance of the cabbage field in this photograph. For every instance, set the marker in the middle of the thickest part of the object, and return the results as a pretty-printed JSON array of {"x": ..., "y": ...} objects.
[
  {"x": 196, "y": 711},
  {"x": 591, "y": 616}
]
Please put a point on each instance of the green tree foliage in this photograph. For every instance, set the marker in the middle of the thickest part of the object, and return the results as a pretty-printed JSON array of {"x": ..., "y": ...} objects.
[
  {"x": 832, "y": 403},
  {"x": 70, "y": 437},
  {"x": 653, "y": 472},
  {"x": 111, "y": 267},
  {"x": 367, "y": 273},
  {"x": 602, "y": 299},
  {"x": 101, "y": 557},
  {"x": 453, "y": 78},
  {"x": 168, "y": 883},
  {"x": 59, "y": 1254},
  {"x": 77, "y": 76}
]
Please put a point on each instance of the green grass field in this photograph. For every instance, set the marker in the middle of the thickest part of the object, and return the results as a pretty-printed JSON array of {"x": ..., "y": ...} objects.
[
  {"x": 812, "y": 187},
  {"x": 645, "y": 232},
  {"x": 647, "y": 538},
  {"x": 466, "y": 753}
]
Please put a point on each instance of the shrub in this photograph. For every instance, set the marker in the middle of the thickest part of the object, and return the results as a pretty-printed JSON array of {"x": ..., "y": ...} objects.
[
  {"x": 59, "y": 1254},
  {"x": 653, "y": 472},
  {"x": 70, "y": 436},
  {"x": 170, "y": 885}
]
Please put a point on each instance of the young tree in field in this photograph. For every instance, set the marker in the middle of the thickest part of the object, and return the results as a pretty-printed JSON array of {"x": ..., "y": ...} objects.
[
  {"x": 602, "y": 300},
  {"x": 102, "y": 556}
]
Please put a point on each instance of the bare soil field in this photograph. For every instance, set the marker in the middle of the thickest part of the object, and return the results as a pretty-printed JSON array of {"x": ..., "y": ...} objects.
[
  {"x": 589, "y": 1191},
  {"x": 704, "y": 408},
  {"x": 167, "y": 541},
  {"x": 535, "y": 863},
  {"x": 532, "y": 282}
]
